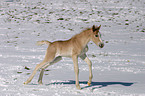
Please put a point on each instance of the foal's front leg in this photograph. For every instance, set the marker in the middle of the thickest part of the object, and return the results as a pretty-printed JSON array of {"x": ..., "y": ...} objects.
[
  {"x": 90, "y": 70},
  {"x": 86, "y": 59},
  {"x": 76, "y": 69}
]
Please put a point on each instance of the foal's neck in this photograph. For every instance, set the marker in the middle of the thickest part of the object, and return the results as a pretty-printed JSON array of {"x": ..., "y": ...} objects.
[
  {"x": 87, "y": 36},
  {"x": 83, "y": 38}
]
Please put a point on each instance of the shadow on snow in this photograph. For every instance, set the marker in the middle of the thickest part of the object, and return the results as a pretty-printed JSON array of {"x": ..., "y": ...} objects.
[{"x": 100, "y": 84}]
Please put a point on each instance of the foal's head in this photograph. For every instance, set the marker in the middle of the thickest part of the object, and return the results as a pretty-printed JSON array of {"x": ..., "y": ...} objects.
[{"x": 96, "y": 36}]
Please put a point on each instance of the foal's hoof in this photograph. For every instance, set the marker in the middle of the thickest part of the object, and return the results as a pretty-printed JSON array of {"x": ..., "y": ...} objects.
[
  {"x": 89, "y": 84},
  {"x": 25, "y": 83},
  {"x": 40, "y": 83},
  {"x": 78, "y": 87}
]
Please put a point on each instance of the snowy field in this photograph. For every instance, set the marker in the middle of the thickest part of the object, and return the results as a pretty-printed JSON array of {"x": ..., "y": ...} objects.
[{"x": 118, "y": 68}]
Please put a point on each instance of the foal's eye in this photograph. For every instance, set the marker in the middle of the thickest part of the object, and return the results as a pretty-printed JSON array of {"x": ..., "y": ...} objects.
[{"x": 96, "y": 35}]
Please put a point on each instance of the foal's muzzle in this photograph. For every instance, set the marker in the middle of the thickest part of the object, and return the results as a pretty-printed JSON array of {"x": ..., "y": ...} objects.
[{"x": 101, "y": 45}]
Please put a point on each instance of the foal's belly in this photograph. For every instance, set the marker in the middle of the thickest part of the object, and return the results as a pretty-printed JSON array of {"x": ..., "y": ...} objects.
[{"x": 64, "y": 52}]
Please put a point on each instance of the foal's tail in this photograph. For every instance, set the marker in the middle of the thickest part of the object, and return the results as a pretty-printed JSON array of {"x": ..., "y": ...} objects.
[{"x": 39, "y": 43}]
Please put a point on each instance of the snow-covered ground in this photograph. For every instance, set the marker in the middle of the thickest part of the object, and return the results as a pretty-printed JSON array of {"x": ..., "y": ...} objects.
[{"x": 118, "y": 68}]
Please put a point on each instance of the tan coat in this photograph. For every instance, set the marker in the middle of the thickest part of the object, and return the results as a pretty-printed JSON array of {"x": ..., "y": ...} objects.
[{"x": 74, "y": 48}]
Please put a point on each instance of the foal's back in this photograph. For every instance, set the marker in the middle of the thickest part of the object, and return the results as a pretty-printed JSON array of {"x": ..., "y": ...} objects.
[{"x": 63, "y": 48}]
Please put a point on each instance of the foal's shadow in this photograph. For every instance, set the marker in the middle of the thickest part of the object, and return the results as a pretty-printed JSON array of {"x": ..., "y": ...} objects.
[{"x": 100, "y": 84}]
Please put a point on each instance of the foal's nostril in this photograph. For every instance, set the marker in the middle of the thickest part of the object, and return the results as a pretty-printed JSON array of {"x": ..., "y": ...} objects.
[{"x": 101, "y": 45}]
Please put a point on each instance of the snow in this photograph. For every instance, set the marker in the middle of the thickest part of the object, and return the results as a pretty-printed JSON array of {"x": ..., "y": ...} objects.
[{"x": 118, "y": 68}]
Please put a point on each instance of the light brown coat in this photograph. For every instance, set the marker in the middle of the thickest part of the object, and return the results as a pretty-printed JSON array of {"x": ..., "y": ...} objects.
[{"x": 74, "y": 48}]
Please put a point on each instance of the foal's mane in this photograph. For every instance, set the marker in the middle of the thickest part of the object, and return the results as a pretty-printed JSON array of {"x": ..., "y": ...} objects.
[
  {"x": 81, "y": 33},
  {"x": 86, "y": 29}
]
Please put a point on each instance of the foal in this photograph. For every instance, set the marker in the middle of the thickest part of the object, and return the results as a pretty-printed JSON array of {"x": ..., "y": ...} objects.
[{"x": 74, "y": 48}]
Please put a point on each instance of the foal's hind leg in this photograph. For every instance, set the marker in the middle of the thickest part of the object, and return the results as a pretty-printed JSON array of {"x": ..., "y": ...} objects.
[
  {"x": 86, "y": 59},
  {"x": 50, "y": 54},
  {"x": 57, "y": 59},
  {"x": 34, "y": 72}
]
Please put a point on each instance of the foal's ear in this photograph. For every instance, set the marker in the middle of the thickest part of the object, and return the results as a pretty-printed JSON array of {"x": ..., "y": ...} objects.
[
  {"x": 93, "y": 28},
  {"x": 99, "y": 27}
]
